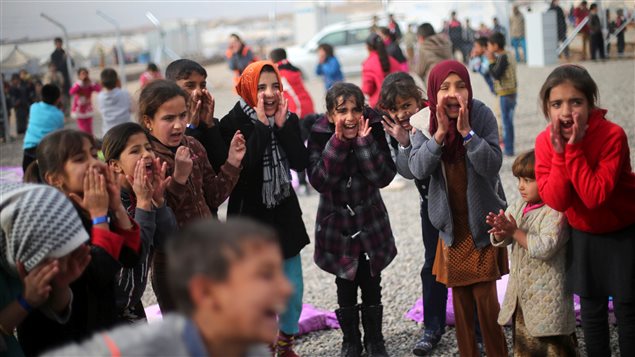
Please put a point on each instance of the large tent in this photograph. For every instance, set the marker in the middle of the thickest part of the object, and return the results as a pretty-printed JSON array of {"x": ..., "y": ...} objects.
[{"x": 17, "y": 60}]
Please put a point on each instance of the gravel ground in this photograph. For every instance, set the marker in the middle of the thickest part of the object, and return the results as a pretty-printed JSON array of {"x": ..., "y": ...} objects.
[{"x": 401, "y": 282}]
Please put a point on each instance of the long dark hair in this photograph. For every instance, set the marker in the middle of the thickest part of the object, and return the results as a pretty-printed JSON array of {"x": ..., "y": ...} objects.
[
  {"x": 154, "y": 95},
  {"x": 116, "y": 139},
  {"x": 53, "y": 151},
  {"x": 375, "y": 43},
  {"x": 579, "y": 78}
]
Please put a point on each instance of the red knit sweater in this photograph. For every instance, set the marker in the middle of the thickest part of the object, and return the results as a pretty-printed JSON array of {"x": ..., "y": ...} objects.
[{"x": 592, "y": 181}]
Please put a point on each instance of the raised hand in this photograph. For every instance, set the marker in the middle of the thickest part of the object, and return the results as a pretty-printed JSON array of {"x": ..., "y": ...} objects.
[
  {"x": 114, "y": 182},
  {"x": 363, "y": 128},
  {"x": 557, "y": 141},
  {"x": 37, "y": 282},
  {"x": 196, "y": 104},
  {"x": 207, "y": 111},
  {"x": 159, "y": 181},
  {"x": 260, "y": 109},
  {"x": 96, "y": 198},
  {"x": 182, "y": 164},
  {"x": 501, "y": 224},
  {"x": 77, "y": 261},
  {"x": 281, "y": 113},
  {"x": 579, "y": 129},
  {"x": 396, "y": 131},
  {"x": 463, "y": 122},
  {"x": 141, "y": 185},
  {"x": 339, "y": 129},
  {"x": 443, "y": 123},
  {"x": 237, "y": 149}
]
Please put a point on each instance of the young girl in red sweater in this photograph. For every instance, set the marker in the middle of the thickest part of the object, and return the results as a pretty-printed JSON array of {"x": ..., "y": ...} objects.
[{"x": 583, "y": 168}]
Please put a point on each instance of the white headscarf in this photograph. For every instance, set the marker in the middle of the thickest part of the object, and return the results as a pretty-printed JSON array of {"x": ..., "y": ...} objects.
[{"x": 37, "y": 222}]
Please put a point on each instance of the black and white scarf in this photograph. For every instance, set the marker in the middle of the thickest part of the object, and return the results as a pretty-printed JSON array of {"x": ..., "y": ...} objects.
[{"x": 276, "y": 183}]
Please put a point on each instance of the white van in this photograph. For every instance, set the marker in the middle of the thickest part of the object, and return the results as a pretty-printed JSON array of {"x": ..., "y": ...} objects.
[{"x": 349, "y": 43}]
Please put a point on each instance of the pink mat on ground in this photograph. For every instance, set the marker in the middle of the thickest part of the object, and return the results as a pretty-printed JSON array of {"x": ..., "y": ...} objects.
[
  {"x": 9, "y": 174},
  {"x": 416, "y": 312},
  {"x": 311, "y": 319}
]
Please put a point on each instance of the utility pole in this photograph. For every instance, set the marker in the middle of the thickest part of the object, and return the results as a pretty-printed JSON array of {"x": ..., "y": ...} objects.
[{"x": 120, "y": 56}]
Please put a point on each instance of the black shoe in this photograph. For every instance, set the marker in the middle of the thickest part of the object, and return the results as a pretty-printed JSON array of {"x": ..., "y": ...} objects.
[
  {"x": 348, "y": 317},
  {"x": 428, "y": 341},
  {"x": 372, "y": 317}
]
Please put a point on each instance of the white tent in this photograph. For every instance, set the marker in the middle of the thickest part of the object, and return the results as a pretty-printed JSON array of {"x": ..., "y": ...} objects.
[{"x": 17, "y": 60}]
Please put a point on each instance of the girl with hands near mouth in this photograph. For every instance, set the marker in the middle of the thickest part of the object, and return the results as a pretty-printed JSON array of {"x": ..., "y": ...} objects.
[
  {"x": 128, "y": 152},
  {"x": 349, "y": 162},
  {"x": 271, "y": 145},
  {"x": 195, "y": 188},
  {"x": 37, "y": 261},
  {"x": 459, "y": 152},
  {"x": 67, "y": 160},
  {"x": 583, "y": 169}
]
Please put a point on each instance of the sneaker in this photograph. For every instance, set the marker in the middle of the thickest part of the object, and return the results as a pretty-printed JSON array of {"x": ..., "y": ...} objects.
[{"x": 427, "y": 342}]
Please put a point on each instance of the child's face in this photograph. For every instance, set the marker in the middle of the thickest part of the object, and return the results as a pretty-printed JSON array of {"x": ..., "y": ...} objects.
[
  {"x": 168, "y": 123},
  {"x": 253, "y": 295},
  {"x": 321, "y": 55},
  {"x": 269, "y": 85},
  {"x": 83, "y": 76},
  {"x": 528, "y": 188},
  {"x": 492, "y": 47},
  {"x": 565, "y": 101},
  {"x": 478, "y": 50},
  {"x": 137, "y": 148},
  {"x": 195, "y": 81},
  {"x": 453, "y": 85},
  {"x": 76, "y": 166},
  {"x": 349, "y": 112},
  {"x": 404, "y": 109}
]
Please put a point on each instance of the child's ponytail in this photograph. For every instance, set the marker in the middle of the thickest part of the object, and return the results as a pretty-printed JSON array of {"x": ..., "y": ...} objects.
[
  {"x": 376, "y": 44},
  {"x": 32, "y": 173}
]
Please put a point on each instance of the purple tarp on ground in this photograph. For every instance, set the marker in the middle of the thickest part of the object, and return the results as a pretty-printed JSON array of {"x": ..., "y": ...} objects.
[
  {"x": 10, "y": 174},
  {"x": 416, "y": 312}
]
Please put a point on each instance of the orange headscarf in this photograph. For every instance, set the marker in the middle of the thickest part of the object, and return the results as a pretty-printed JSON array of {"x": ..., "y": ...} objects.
[{"x": 247, "y": 86}]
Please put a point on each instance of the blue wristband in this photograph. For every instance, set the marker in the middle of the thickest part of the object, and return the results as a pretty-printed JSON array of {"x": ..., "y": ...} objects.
[
  {"x": 100, "y": 220},
  {"x": 25, "y": 305},
  {"x": 468, "y": 136}
]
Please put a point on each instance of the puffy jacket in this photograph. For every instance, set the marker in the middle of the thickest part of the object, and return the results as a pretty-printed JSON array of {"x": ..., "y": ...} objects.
[
  {"x": 373, "y": 76},
  {"x": 300, "y": 101}
]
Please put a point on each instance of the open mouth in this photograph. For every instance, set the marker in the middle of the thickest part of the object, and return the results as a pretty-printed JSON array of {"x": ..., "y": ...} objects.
[
  {"x": 270, "y": 104},
  {"x": 453, "y": 107},
  {"x": 149, "y": 168},
  {"x": 350, "y": 126},
  {"x": 566, "y": 123},
  {"x": 176, "y": 136}
]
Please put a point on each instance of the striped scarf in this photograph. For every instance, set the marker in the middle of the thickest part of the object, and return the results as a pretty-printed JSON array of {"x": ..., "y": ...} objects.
[{"x": 276, "y": 183}]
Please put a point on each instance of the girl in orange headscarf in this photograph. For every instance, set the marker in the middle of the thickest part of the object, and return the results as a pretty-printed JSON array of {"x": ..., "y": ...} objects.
[{"x": 264, "y": 191}]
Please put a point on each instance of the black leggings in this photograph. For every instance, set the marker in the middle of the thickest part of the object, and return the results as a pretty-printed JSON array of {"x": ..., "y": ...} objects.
[
  {"x": 370, "y": 286},
  {"x": 595, "y": 325}
]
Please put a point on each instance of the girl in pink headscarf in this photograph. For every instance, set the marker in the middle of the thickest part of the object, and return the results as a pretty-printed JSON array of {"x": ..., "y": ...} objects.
[{"x": 459, "y": 152}]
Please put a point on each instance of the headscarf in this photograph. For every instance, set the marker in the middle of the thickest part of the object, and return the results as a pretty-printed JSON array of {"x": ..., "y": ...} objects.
[
  {"x": 276, "y": 179},
  {"x": 453, "y": 148},
  {"x": 247, "y": 86},
  {"x": 38, "y": 222}
]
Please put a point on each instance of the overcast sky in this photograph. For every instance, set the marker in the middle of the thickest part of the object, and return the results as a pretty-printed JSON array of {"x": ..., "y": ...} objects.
[{"x": 21, "y": 18}]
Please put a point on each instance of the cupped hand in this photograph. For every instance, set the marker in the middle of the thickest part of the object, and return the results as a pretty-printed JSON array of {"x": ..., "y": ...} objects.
[{"x": 237, "y": 149}]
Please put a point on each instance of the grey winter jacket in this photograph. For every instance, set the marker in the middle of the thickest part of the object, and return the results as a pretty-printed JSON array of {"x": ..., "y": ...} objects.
[
  {"x": 484, "y": 188},
  {"x": 175, "y": 335}
]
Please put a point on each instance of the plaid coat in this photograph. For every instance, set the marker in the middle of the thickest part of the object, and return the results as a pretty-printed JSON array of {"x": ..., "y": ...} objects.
[{"x": 351, "y": 217}]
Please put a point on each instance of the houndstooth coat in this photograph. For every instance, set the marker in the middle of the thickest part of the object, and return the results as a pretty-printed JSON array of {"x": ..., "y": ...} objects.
[{"x": 351, "y": 219}]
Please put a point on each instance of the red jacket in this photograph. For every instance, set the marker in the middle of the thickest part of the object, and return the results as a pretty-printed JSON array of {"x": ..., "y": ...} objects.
[
  {"x": 592, "y": 181},
  {"x": 373, "y": 76},
  {"x": 299, "y": 99}
]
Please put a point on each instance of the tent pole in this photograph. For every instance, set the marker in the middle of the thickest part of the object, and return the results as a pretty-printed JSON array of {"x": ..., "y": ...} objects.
[{"x": 120, "y": 57}]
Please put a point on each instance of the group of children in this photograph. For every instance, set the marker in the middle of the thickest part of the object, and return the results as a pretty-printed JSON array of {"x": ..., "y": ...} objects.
[{"x": 138, "y": 209}]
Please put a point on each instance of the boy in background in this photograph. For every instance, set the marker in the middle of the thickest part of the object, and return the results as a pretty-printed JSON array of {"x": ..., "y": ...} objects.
[
  {"x": 479, "y": 62},
  {"x": 502, "y": 68},
  {"x": 192, "y": 78},
  {"x": 45, "y": 117},
  {"x": 114, "y": 103},
  {"x": 229, "y": 286}
]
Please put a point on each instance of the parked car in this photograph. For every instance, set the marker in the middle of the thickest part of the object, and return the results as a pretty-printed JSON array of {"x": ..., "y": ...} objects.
[{"x": 348, "y": 40}]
